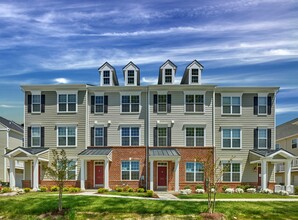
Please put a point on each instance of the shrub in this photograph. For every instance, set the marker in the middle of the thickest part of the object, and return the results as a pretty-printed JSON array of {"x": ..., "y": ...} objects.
[
  {"x": 130, "y": 189},
  {"x": 229, "y": 190},
  {"x": 66, "y": 189},
  {"x": 283, "y": 193},
  {"x": 200, "y": 191},
  {"x": 186, "y": 187},
  {"x": 199, "y": 187},
  {"x": 266, "y": 191},
  {"x": 239, "y": 190},
  {"x": 102, "y": 190},
  {"x": 140, "y": 190},
  {"x": 224, "y": 188},
  {"x": 54, "y": 188},
  {"x": 43, "y": 189},
  {"x": 74, "y": 189},
  {"x": 6, "y": 190},
  {"x": 119, "y": 189},
  {"x": 125, "y": 188},
  {"x": 26, "y": 190},
  {"x": 251, "y": 190},
  {"x": 150, "y": 193},
  {"x": 296, "y": 190},
  {"x": 185, "y": 191}
]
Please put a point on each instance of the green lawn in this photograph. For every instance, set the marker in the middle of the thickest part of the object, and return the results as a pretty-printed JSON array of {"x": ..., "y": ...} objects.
[
  {"x": 126, "y": 194},
  {"x": 32, "y": 205},
  {"x": 233, "y": 196}
]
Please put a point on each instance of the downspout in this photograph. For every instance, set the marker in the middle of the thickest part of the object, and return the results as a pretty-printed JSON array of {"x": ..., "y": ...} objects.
[
  {"x": 87, "y": 119},
  {"x": 213, "y": 129},
  {"x": 5, "y": 159},
  {"x": 148, "y": 132}
]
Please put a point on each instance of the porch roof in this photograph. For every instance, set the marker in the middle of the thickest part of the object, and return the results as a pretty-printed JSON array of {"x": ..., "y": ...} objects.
[
  {"x": 28, "y": 151},
  {"x": 96, "y": 151},
  {"x": 271, "y": 155},
  {"x": 164, "y": 152}
]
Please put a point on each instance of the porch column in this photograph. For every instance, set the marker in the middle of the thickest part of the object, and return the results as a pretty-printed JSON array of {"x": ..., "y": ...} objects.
[
  {"x": 151, "y": 174},
  {"x": 82, "y": 174},
  {"x": 106, "y": 181},
  {"x": 35, "y": 174},
  {"x": 12, "y": 174},
  {"x": 288, "y": 169},
  {"x": 176, "y": 175},
  {"x": 264, "y": 174}
]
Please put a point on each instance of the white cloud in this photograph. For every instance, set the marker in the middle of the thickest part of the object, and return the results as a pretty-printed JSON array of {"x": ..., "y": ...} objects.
[
  {"x": 286, "y": 108},
  {"x": 7, "y": 106},
  {"x": 61, "y": 80},
  {"x": 149, "y": 80}
]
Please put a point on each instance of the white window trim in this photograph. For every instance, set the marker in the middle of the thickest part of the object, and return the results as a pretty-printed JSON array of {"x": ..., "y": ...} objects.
[
  {"x": 266, "y": 146},
  {"x": 292, "y": 143},
  {"x": 195, "y": 177},
  {"x": 75, "y": 92},
  {"x": 39, "y": 145},
  {"x": 164, "y": 76},
  {"x": 232, "y": 162},
  {"x": 190, "y": 76},
  {"x": 158, "y": 127},
  {"x": 103, "y": 104},
  {"x": 76, "y": 169},
  {"x": 103, "y": 135},
  {"x": 166, "y": 111},
  {"x": 129, "y": 169},
  {"x": 57, "y": 133},
  {"x": 231, "y": 148},
  {"x": 130, "y": 126},
  {"x": 101, "y": 77},
  {"x": 263, "y": 95},
  {"x": 130, "y": 94},
  {"x": 32, "y": 109},
  {"x": 194, "y": 126},
  {"x": 231, "y": 95},
  {"x": 126, "y": 77},
  {"x": 195, "y": 93}
]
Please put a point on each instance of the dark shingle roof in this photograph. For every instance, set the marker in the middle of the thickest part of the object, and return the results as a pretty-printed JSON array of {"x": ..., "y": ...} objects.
[
  {"x": 266, "y": 153},
  {"x": 31, "y": 150},
  {"x": 160, "y": 151},
  {"x": 11, "y": 124},
  {"x": 114, "y": 74},
  {"x": 287, "y": 129},
  {"x": 160, "y": 70},
  {"x": 91, "y": 151}
]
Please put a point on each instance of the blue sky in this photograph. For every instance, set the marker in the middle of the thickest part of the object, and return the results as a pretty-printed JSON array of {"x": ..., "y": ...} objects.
[{"x": 240, "y": 43}]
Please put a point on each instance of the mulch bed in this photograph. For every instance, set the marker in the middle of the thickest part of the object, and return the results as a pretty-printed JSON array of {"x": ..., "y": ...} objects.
[{"x": 213, "y": 216}]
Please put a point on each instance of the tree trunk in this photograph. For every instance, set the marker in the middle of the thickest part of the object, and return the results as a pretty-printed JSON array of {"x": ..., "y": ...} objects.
[
  {"x": 60, "y": 197},
  {"x": 214, "y": 199}
]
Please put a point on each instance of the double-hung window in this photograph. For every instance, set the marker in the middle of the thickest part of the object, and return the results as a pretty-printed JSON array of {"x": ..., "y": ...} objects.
[
  {"x": 99, "y": 104},
  {"x": 231, "y": 105},
  {"x": 130, "y": 103},
  {"x": 231, "y": 138},
  {"x": 98, "y": 136},
  {"x": 130, "y": 136},
  {"x": 231, "y": 171},
  {"x": 194, "y": 75},
  {"x": 194, "y": 103},
  {"x": 195, "y": 136},
  {"x": 35, "y": 136},
  {"x": 67, "y": 136},
  {"x": 36, "y": 103},
  {"x": 262, "y": 138},
  {"x": 162, "y": 103},
  {"x": 194, "y": 172},
  {"x": 67, "y": 102},
  {"x": 295, "y": 143},
  {"x": 130, "y": 170},
  {"x": 162, "y": 136},
  {"x": 262, "y": 105},
  {"x": 106, "y": 77},
  {"x": 168, "y": 76},
  {"x": 130, "y": 77},
  {"x": 70, "y": 169}
]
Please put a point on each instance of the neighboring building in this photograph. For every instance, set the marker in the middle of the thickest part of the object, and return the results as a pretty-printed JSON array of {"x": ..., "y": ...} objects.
[
  {"x": 152, "y": 136},
  {"x": 287, "y": 138},
  {"x": 11, "y": 136}
]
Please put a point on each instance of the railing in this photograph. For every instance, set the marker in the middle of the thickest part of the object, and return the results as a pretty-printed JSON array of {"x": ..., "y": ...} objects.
[
  {"x": 295, "y": 163},
  {"x": 281, "y": 167}
]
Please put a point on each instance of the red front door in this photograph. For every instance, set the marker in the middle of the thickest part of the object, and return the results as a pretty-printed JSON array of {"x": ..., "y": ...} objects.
[
  {"x": 259, "y": 176},
  {"x": 162, "y": 176},
  {"x": 99, "y": 175}
]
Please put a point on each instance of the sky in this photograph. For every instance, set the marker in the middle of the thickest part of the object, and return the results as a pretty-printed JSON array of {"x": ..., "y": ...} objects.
[{"x": 239, "y": 43}]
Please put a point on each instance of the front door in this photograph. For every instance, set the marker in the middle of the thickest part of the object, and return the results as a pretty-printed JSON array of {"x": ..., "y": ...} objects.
[
  {"x": 99, "y": 175},
  {"x": 162, "y": 176},
  {"x": 259, "y": 175}
]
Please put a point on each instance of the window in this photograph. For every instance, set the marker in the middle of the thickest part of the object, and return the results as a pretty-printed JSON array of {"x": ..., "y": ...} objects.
[
  {"x": 36, "y": 101},
  {"x": 194, "y": 75},
  {"x": 231, "y": 172},
  {"x": 130, "y": 77},
  {"x": 130, "y": 103},
  {"x": 162, "y": 136},
  {"x": 67, "y": 102},
  {"x": 130, "y": 136},
  {"x": 98, "y": 136},
  {"x": 277, "y": 146},
  {"x": 194, "y": 103},
  {"x": 262, "y": 105},
  {"x": 130, "y": 170},
  {"x": 294, "y": 143},
  {"x": 99, "y": 104},
  {"x": 262, "y": 138},
  {"x": 231, "y": 105},
  {"x": 35, "y": 137},
  {"x": 194, "y": 172},
  {"x": 70, "y": 169},
  {"x": 67, "y": 136},
  {"x": 168, "y": 75},
  {"x": 231, "y": 138},
  {"x": 106, "y": 77},
  {"x": 195, "y": 137},
  {"x": 162, "y": 103}
]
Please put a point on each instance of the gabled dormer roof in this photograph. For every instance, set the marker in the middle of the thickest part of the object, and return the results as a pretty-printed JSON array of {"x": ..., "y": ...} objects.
[
  {"x": 136, "y": 68},
  {"x": 114, "y": 75},
  {"x": 185, "y": 78},
  {"x": 162, "y": 67},
  {"x": 11, "y": 125}
]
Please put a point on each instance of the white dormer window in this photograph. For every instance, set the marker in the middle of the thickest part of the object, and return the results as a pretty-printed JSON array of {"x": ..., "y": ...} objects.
[
  {"x": 194, "y": 76},
  {"x": 130, "y": 77},
  {"x": 168, "y": 76},
  {"x": 106, "y": 77},
  {"x": 131, "y": 74}
]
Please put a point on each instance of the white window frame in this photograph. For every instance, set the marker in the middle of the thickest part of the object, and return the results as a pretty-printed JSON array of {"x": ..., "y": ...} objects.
[
  {"x": 130, "y": 127},
  {"x": 39, "y": 144},
  {"x": 266, "y": 145},
  {"x": 130, "y": 95},
  {"x": 195, "y": 172},
  {"x": 295, "y": 139},
  {"x": 231, "y": 133},
  {"x": 66, "y": 136},
  {"x": 231, "y": 96},
  {"x": 67, "y": 93},
  {"x": 195, "y": 137},
  {"x": 38, "y": 103},
  {"x": 105, "y": 77},
  {"x": 103, "y": 104},
  {"x": 266, "y": 105},
  {"x": 231, "y": 173},
  {"x": 159, "y": 127},
  {"x": 166, "y": 103},
  {"x": 164, "y": 76},
  {"x": 75, "y": 169},
  {"x": 127, "y": 78},
  {"x": 194, "y": 94},
  {"x": 129, "y": 179},
  {"x": 103, "y": 135},
  {"x": 191, "y": 76}
]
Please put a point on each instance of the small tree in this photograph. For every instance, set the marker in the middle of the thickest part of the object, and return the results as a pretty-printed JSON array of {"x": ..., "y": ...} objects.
[{"x": 58, "y": 171}]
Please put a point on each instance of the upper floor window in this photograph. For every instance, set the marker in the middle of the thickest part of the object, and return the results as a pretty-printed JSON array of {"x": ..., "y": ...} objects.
[
  {"x": 99, "y": 104},
  {"x": 231, "y": 171},
  {"x": 98, "y": 136},
  {"x": 277, "y": 146},
  {"x": 295, "y": 143},
  {"x": 194, "y": 103},
  {"x": 262, "y": 105},
  {"x": 168, "y": 76},
  {"x": 262, "y": 138},
  {"x": 194, "y": 172},
  {"x": 67, "y": 102},
  {"x": 195, "y": 137},
  {"x": 35, "y": 136},
  {"x": 162, "y": 103},
  {"x": 130, "y": 77},
  {"x": 194, "y": 75},
  {"x": 36, "y": 103},
  {"x": 231, "y": 105},
  {"x": 106, "y": 77},
  {"x": 130, "y": 103},
  {"x": 130, "y": 170},
  {"x": 130, "y": 136},
  {"x": 67, "y": 136},
  {"x": 231, "y": 138}
]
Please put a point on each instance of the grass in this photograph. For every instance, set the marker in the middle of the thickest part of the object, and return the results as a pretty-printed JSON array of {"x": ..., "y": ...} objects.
[
  {"x": 126, "y": 194},
  {"x": 32, "y": 205},
  {"x": 234, "y": 196}
]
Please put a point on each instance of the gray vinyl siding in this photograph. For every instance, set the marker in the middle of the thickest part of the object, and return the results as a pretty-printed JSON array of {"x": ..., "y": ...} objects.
[
  {"x": 247, "y": 121},
  {"x": 3, "y": 143},
  {"x": 181, "y": 118}
]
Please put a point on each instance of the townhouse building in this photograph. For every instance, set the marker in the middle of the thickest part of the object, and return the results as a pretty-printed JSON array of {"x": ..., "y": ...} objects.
[{"x": 153, "y": 136}]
